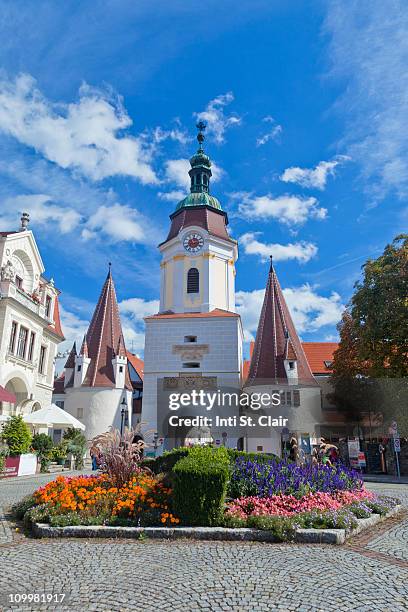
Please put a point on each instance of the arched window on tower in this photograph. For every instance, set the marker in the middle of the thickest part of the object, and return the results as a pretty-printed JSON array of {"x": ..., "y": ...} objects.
[{"x": 193, "y": 281}]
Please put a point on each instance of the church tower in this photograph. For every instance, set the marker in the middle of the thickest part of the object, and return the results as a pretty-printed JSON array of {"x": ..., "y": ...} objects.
[
  {"x": 198, "y": 256},
  {"x": 195, "y": 340}
]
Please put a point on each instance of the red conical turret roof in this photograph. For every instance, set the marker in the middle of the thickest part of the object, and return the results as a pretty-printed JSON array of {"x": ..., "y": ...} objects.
[
  {"x": 70, "y": 363},
  {"x": 103, "y": 339},
  {"x": 84, "y": 348},
  {"x": 276, "y": 341}
]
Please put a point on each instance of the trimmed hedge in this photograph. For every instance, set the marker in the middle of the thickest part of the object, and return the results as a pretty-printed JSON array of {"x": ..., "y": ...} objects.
[
  {"x": 259, "y": 457},
  {"x": 200, "y": 485},
  {"x": 166, "y": 462}
]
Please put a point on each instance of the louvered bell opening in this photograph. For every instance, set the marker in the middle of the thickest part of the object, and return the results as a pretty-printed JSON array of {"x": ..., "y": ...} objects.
[{"x": 193, "y": 281}]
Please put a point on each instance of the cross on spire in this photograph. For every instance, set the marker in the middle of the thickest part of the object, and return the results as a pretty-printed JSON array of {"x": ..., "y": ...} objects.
[{"x": 201, "y": 126}]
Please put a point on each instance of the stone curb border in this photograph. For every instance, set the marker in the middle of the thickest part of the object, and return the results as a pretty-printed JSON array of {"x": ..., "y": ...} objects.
[{"x": 303, "y": 536}]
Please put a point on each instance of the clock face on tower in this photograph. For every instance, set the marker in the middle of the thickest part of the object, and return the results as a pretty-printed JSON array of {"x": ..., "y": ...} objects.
[{"x": 193, "y": 242}]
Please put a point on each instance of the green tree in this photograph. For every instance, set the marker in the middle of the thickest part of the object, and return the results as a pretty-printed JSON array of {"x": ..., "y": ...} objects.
[
  {"x": 76, "y": 445},
  {"x": 17, "y": 435},
  {"x": 379, "y": 309},
  {"x": 42, "y": 444}
]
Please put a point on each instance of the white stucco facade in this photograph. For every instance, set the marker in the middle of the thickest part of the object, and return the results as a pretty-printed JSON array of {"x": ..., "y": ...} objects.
[{"x": 28, "y": 334}]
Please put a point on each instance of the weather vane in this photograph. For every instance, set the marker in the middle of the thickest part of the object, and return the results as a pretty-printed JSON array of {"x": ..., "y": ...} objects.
[{"x": 201, "y": 125}]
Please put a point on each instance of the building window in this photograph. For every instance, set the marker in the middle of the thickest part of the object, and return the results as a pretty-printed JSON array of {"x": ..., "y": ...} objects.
[
  {"x": 79, "y": 368},
  {"x": 190, "y": 338},
  {"x": 80, "y": 413},
  {"x": 41, "y": 363},
  {"x": 191, "y": 364},
  {"x": 291, "y": 365},
  {"x": 120, "y": 369},
  {"x": 193, "y": 280},
  {"x": 60, "y": 404},
  {"x": 296, "y": 398},
  {"x": 288, "y": 398},
  {"x": 19, "y": 282},
  {"x": 13, "y": 336},
  {"x": 31, "y": 347},
  {"x": 48, "y": 302},
  {"x": 282, "y": 398},
  {"x": 22, "y": 342},
  {"x": 259, "y": 449}
]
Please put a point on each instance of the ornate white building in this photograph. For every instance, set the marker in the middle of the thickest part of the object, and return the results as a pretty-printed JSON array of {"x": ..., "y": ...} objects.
[
  {"x": 30, "y": 328},
  {"x": 95, "y": 386}
]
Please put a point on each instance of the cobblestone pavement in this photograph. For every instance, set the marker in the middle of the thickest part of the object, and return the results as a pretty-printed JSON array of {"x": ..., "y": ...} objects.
[{"x": 121, "y": 575}]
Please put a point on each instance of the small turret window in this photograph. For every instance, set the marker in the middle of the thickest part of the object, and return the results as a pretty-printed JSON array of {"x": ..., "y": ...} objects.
[{"x": 193, "y": 281}]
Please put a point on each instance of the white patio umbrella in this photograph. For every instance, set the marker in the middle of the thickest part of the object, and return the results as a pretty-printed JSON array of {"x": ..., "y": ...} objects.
[{"x": 53, "y": 416}]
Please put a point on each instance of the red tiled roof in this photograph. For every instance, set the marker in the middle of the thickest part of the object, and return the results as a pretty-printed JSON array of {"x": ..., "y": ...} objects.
[
  {"x": 215, "y": 222},
  {"x": 217, "y": 312},
  {"x": 84, "y": 348},
  {"x": 319, "y": 352},
  {"x": 70, "y": 362},
  {"x": 137, "y": 363},
  {"x": 59, "y": 386},
  {"x": 104, "y": 339},
  {"x": 56, "y": 328},
  {"x": 276, "y": 339}
]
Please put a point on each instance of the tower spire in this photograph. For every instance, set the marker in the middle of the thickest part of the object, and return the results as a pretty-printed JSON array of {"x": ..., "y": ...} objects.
[{"x": 200, "y": 172}]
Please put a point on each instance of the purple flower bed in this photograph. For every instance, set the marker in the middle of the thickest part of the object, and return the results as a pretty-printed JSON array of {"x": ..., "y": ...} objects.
[{"x": 250, "y": 478}]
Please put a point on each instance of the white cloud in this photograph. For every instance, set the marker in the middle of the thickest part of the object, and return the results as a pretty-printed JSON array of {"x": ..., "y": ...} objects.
[
  {"x": 368, "y": 53},
  {"x": 310, "y": 311},
  {"x": 172, "y": 196},
  {"x": 313, "y": 177},
  {"x": 74, "y": 329},
  {"x": 133, "y": 311},
  {"x": 300, "y": 251},
  {"x": 42, "y": 211},
  {"x": 287, "y": 209},
  {"x": 177, "y": 134},
  {"x": 273, "y": 134},
  {"x": 81, "y": 136},
  {"x": 119, "y": 222},
  {"x": 217, "y": 121}
]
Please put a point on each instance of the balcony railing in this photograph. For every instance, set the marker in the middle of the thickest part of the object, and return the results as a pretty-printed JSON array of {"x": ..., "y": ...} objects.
[{"x": 10, "y": 290}]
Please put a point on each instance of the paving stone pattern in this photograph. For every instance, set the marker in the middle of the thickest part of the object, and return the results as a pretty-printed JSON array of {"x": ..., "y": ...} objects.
[{"x": 121, "y": 575}]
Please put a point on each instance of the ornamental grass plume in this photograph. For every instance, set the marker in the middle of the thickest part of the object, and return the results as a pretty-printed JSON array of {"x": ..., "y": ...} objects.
[{"x": 121, "y": 456}]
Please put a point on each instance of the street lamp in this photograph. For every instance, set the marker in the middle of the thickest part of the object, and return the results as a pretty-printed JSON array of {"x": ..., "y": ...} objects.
[{"x": 123, "y": 414}]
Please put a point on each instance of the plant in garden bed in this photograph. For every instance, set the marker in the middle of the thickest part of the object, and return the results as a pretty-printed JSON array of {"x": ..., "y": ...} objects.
[
  {"x": 254, "y": 478},
  {"x": 17, "y": 435},
  {"x": 200, "y": 485},
  {"x": 95, "y": 500},
  {"x": 42, "y": 444},
  {"x": 76, "y": 445},
  {"x": 121, "y": 457}
]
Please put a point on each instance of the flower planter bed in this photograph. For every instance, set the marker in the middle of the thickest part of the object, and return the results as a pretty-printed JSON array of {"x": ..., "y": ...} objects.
[{"x": 302, "y": 536}]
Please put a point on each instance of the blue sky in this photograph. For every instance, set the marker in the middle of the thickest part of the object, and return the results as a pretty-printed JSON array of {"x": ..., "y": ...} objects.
[{"x": 307, "y": 128}]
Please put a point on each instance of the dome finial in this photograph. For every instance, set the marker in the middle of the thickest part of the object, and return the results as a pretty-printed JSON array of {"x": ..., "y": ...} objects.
[{"x": 201, "y": 125}]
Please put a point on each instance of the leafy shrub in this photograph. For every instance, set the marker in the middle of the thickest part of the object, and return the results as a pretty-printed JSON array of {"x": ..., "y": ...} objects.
[
  {"x": 200, "y": 485},
  {"x": 3, "y": 455},
  {"x": 254, "y": 478},
  {"x": 17, "y": 435},
  {"x": 76, "y": 445},
  {"x": 58, "y": 452},
  {"x": 20, "y": 508},
  {"x": 166, "y": 462},
  {"x": 234, "y": 454},
  {"x": 42, "y": 444}
]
